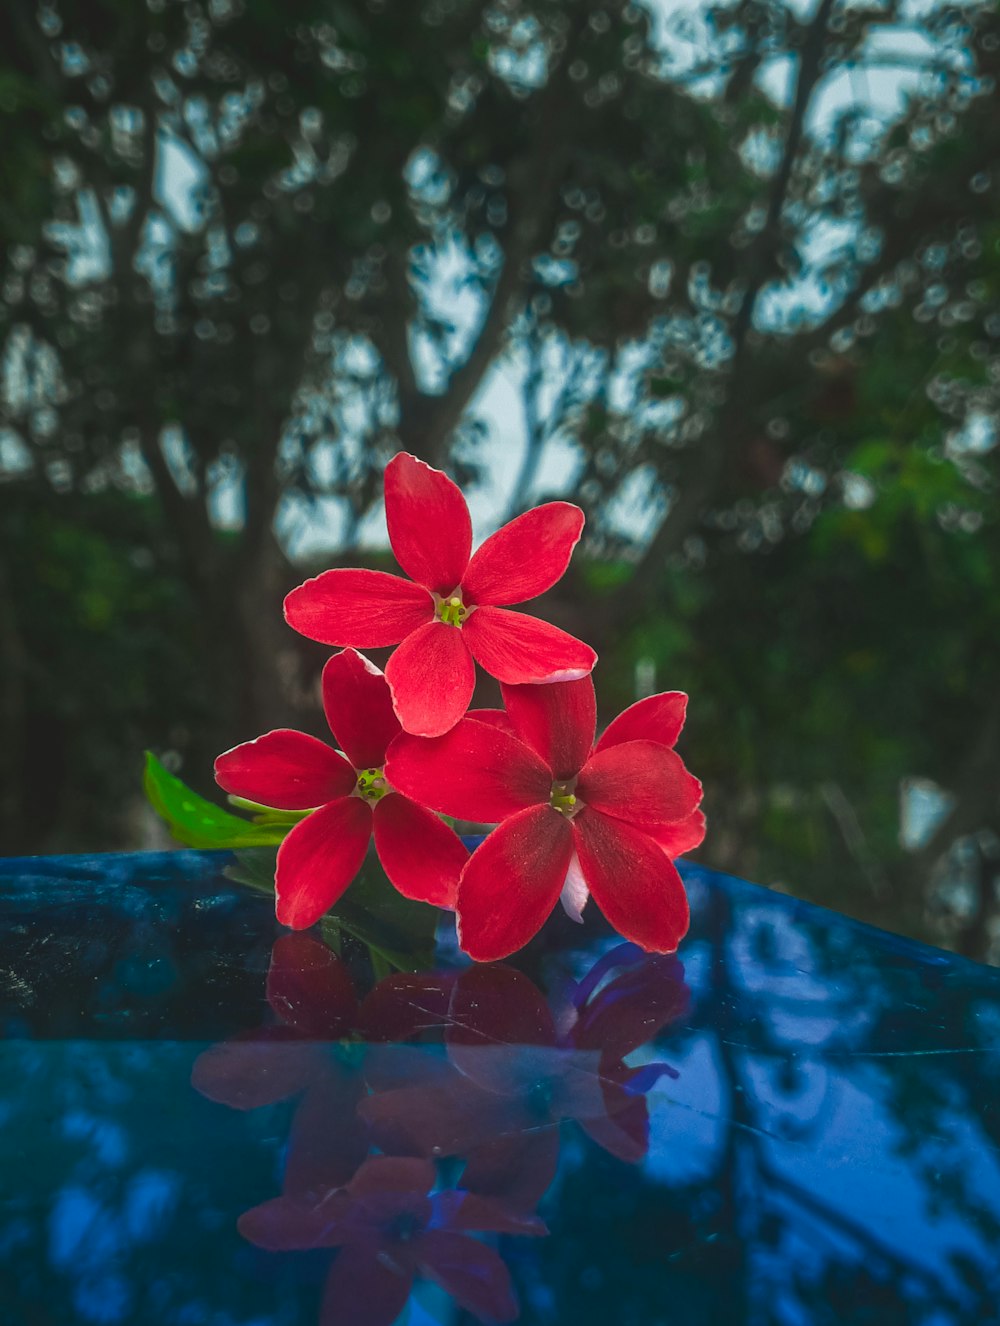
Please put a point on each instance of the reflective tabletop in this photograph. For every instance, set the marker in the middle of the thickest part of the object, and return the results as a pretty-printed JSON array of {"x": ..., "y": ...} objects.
[{"x": 208, "y": 1119}]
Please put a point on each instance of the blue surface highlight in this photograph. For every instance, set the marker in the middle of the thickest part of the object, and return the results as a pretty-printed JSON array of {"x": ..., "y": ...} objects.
[{"x": 795, "y": 1121}]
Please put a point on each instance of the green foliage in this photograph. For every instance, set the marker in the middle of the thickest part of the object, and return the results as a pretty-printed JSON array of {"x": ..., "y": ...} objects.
[
  {"x": 198, "y": 823},
  {"x": 99, "y": 659},
  {"x": 823, "y": 672},
  {"x": 397, "y": 933}
]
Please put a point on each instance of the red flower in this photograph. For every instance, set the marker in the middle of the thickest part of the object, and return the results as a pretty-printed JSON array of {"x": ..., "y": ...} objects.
[
  {"x": 454, "y": 607},
  {"x": 390, "y": 1226},
  {"x": 659, "y": 718},
  {"x": 321, "y": 855},
  {"x": 558, "y": 800}
]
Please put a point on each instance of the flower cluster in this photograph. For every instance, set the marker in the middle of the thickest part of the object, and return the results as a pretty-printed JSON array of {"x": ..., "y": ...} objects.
[{"x": 574, "y": 819}]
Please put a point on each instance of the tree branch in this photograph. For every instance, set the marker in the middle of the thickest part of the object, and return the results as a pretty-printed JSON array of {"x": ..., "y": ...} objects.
[
  {"x": 710, "y": 461},
  {"x": 427, "y": 422}
]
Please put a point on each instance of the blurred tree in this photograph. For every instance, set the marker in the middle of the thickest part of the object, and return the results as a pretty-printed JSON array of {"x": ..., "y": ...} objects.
[
  {"x": 828, "y": 664},
  {"x": 91, "y": 646},
  {"x": 248, "y": 255}
]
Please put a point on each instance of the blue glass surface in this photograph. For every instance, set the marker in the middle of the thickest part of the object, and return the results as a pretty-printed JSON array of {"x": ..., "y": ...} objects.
[{"x": 204, "y": 1119}]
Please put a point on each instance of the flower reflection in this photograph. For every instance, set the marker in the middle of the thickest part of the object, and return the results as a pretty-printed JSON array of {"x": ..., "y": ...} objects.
[
  {"x": 430, "y": 1112},
  {"x": 390, "y": 1225},
  {"x": 312, "y": 993},
  {"x": 526, "y": 1065}
]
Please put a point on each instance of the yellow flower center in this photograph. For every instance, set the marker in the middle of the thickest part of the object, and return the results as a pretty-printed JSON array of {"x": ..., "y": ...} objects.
[
  {"x": 371, "y": 785},
  {"x": 451, "y": 610},
  {"x": 564, "y": 799}
]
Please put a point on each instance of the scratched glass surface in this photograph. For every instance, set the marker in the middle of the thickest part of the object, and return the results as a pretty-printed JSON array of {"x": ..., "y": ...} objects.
[{"x": 204, "y": 1119}]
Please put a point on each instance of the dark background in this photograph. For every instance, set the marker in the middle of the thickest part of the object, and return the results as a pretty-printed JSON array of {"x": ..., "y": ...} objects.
[{"x": 729, "y": 278}]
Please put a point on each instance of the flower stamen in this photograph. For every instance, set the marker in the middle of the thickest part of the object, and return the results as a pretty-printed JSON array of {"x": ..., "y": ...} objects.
[
  {"x": 563, "y": 798},
  {"x": 371, "y": 785},
  {"x": 451, "y": 610}
]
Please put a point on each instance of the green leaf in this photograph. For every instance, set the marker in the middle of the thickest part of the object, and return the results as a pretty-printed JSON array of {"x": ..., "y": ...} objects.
[
  {"x": 254, "y": 867},
  {"x": 874, "y": 457},
  {"x": 393, "y": 928},
  {"x": 199, "y": 823}
]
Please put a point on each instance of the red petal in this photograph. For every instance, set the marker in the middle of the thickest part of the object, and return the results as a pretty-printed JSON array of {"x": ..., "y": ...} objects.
[
  {"x": 395, "y": 1174},
  {"x": 447, "y": 1119},
  {"x": 556, "y": 721},
  {"x": 310, "y": 988},
  {"x": 518, "y": 649},
  {"x": 635, "y": 885},
  {"x": 422, "y": 856},
  {"x": 365, "y": 1288},
  {"x": 432, "y": 678},
  {"x": 366, "y": 609},
  {"x": 406, "y": 1005},
  {"x": 329, "y": 1139},
  {"x": 516, "y": 1170},
  {"x": 512, "y": 882},
  {"x": 285, "y": 1224},
  {"x": 639, "y": 781},
  {"x": 358, "y": 707},
  {"x": 494, "y": 717},
  {"x": 499, "y": 1005},
  {"x": 471, "y": 1272},
  {"x": 475, "y": 772},
  {"x": 470, "y": 1211},
  {"x": 318, "y": 860},
  {"x": 257, "y": 1069},
  {"x": 284, "y": 769},
  {"x": 624, "y": 1134},
  {"x": 683, "y": 836},
  {"x": 658, "y": 718},
  {"x": 429, "y": 526},
  {"x": 524, "y": 558}
]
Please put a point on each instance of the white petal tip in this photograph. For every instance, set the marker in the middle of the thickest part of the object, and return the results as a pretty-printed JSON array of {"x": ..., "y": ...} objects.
[
  {"x": 567, "y": 674},
  {"x": 574, "y": 891}
]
